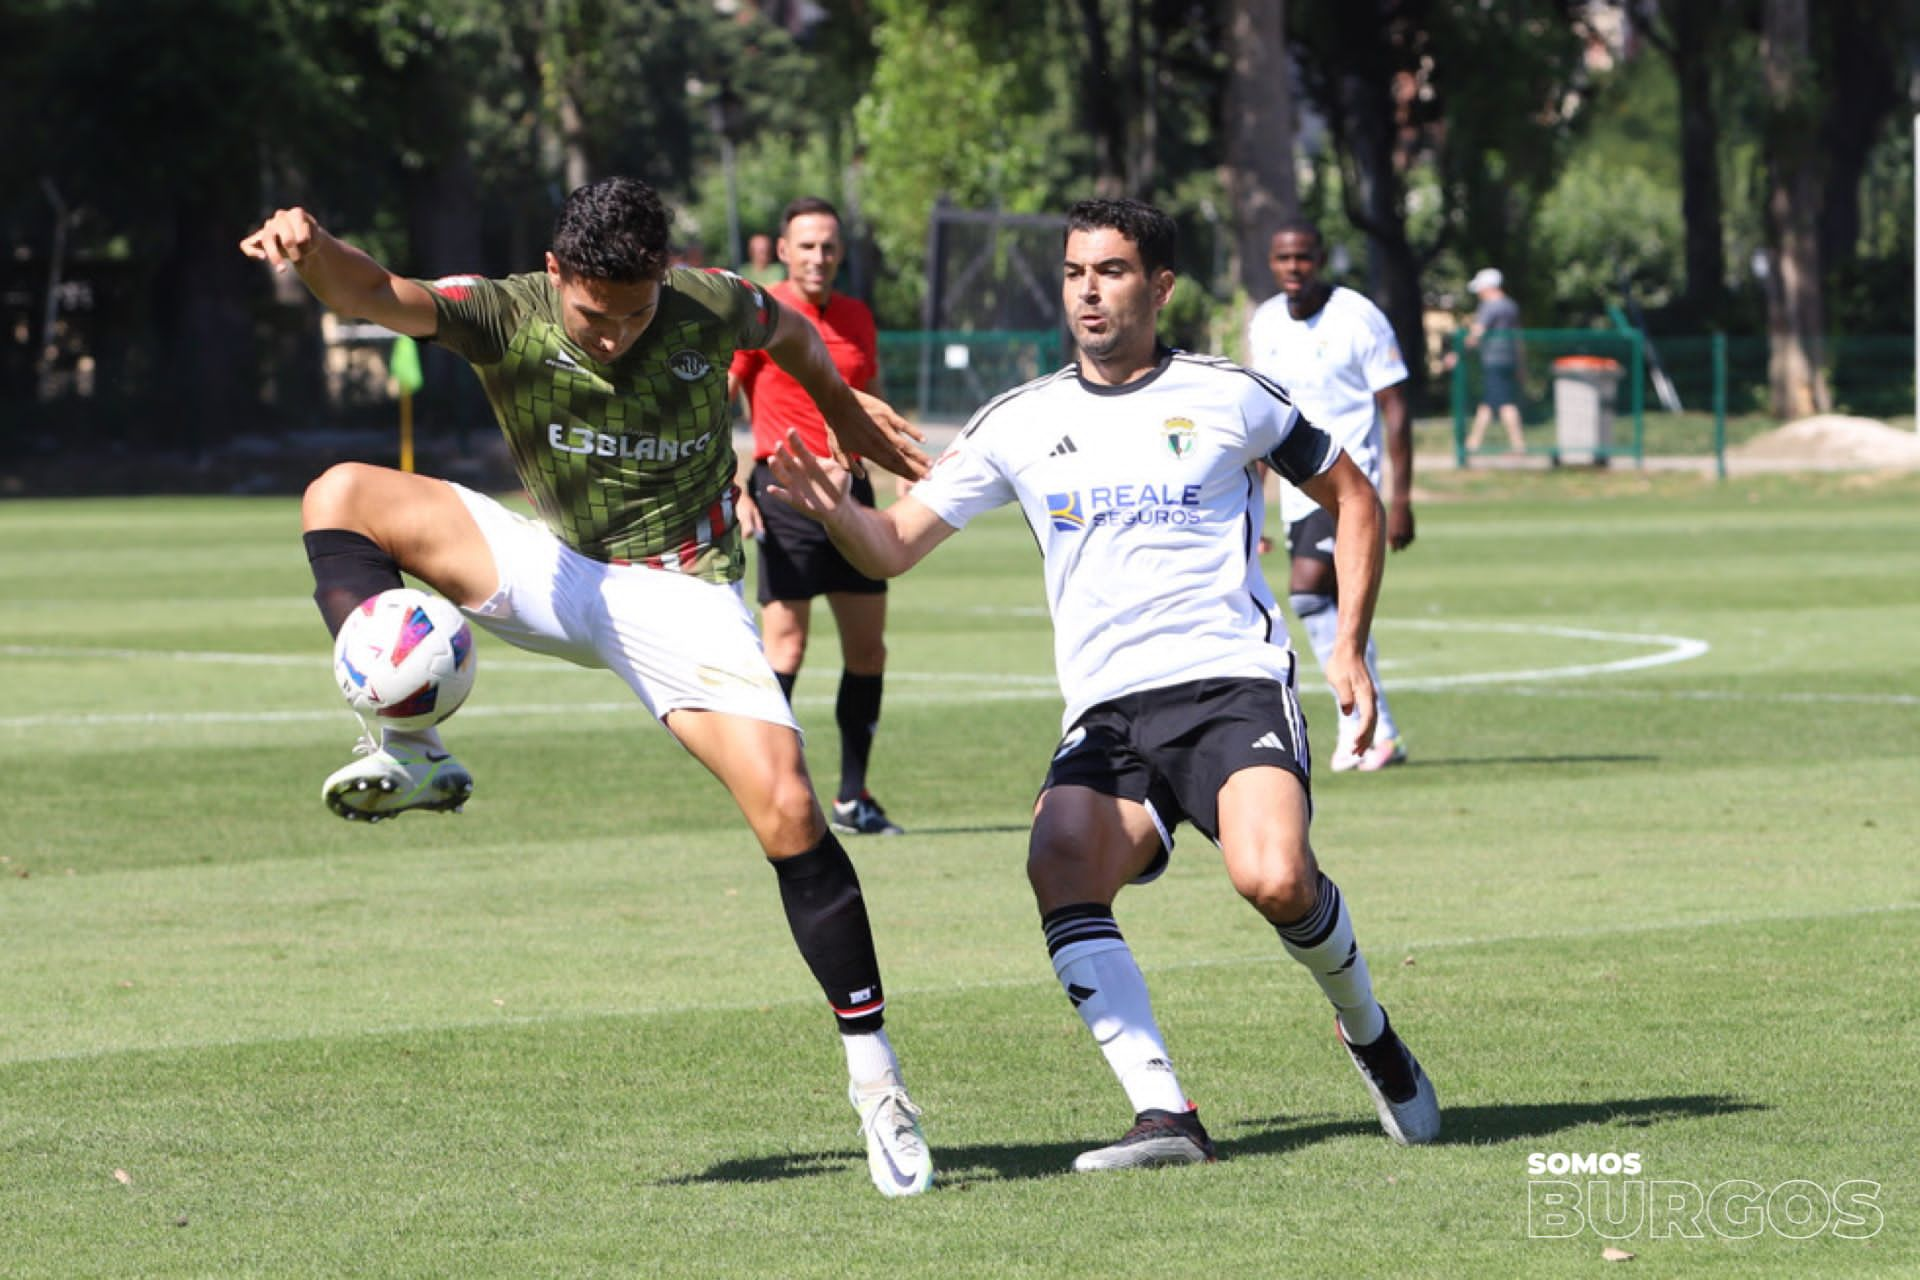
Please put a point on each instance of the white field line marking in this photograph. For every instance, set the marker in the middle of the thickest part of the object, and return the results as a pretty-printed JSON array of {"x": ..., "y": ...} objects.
[
  {"x": 493, "y": 664},
  {"x": 998, "y": 687},
  {"x": 811, "y": 1000},
  {"x": 1671, "y": 649},
  {"x": 481, "y": 711}
]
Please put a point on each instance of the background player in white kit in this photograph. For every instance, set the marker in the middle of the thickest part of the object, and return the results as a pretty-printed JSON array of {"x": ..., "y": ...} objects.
[
  {"x": 1336, "y": 355},
  {"x": 1137, "y": 469}
]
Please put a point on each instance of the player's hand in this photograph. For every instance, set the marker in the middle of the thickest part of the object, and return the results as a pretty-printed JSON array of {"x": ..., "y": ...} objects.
[
  {"x": 747, "y": 512},
  {"x": 1400, "y": 525},
  {"x": 285, "y": 238},
  {"x": 1353, "y": 690},
  {"x": 882, "y": 436},
  {"x": 816, "y": 487}
]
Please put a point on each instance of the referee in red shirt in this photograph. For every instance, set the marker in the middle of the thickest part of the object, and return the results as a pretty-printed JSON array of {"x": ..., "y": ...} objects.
[{"x": 797, "y": 560}]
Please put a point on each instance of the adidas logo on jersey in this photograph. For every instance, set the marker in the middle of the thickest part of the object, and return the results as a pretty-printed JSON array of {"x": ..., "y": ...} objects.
[
  {"x": 1065, "y": 446},
  {"x": 561, "y": 360},
  {"x": 1269, "y": 741}
]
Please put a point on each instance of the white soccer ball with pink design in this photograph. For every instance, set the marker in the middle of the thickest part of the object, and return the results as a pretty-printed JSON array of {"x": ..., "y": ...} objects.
[{"x": 404, "y": 659}]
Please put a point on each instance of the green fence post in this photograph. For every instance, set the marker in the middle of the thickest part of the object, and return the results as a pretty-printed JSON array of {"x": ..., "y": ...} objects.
[
  {"x": 1720, "y": 404},
  {"x": 1639, "y": 398},
  {"x": 1460, "y": 398}
]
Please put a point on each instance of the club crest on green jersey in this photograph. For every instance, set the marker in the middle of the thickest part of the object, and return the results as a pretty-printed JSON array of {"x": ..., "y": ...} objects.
[{"x": 689, "y": 365}]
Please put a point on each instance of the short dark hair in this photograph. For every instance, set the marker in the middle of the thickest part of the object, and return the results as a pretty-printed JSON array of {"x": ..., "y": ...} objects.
[
  {"x": 801, "y": 206},
  {"x": 1300, "y": 226},
  {"x": 615, "y": 230},
  {"x": 1150, "y": 229}
]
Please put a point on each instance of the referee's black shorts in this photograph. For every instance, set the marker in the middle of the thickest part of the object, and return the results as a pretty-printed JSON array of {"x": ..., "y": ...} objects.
[{"x": 797, "y": 559}]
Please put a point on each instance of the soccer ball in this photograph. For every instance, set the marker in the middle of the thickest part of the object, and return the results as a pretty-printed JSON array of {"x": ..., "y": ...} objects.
[{"x": 404, "y": 659}]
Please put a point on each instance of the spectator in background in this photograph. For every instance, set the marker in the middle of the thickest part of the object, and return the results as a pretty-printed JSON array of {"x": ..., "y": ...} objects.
[
  {"x": 797, "y": 559},
  {"x": 760, "y": 267},
  {"x": 1494, "y": 330}
]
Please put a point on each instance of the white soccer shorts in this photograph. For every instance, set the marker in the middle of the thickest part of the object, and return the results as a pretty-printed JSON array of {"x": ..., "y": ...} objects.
[{"x": 680, "y": 642}]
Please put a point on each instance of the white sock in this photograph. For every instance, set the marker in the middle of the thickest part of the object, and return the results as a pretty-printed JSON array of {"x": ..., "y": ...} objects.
[
  {"x": 413, "y": 741},
  {"x": 871, "y": 1063},
  {"x": 1323, "y": 941},
  {"x": 1320, "y": 618},
  {"x": 1098, "y": 972},
  {"x": 1385, "y": 729}
]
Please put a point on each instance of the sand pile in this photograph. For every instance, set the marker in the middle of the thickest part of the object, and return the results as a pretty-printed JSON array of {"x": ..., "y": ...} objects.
[{"x": 1833, "y": 440}]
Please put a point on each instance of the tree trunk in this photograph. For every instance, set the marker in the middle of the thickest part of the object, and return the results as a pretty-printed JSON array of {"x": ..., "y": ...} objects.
[
  {"x": 1366, "y": 134},
  {"x": 1795, "y": 297},
  {"x": 1102, "y": 95},
  {"x": 1692, "y": 56},
  {"x": 1864, "y": 89},
  {"x": 1259, "y": 152}
]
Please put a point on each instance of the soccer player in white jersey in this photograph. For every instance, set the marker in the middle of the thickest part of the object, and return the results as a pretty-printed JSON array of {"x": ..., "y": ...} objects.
[
  {"x": 1137, "y": 470},
  {"x": 1336, "y": 355}
]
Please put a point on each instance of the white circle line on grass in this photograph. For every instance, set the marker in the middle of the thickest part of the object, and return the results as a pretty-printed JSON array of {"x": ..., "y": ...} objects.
[{"x": 1669, "y": 650}]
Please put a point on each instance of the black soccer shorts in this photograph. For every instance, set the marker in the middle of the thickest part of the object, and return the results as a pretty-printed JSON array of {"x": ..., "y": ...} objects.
[
  {"x": 1311, "y": 536},
  {"x": 1174, "y": 747},
  {"x": 798, "y": 561}
]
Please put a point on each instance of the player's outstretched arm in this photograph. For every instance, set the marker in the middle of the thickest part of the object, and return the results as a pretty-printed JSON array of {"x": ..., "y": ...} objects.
[
  {"x": 1359, "y": 553},
  {"x": 1392, "y": 403},
  {"x": 346, "y": 281},
  {"x": 880, "y": 544},
  {"x": 859, "y": 423}
]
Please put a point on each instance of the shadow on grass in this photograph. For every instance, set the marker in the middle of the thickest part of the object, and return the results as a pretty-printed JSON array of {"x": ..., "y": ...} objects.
[
  {"x": 990, "y": 829},
  {"x": 1462, "y": 762},
  {"x": 961, "y": 1166},
  {"x": 1479, "y": 1126}
]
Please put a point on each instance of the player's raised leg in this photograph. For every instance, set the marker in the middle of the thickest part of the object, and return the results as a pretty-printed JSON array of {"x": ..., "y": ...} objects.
[
  {"x": 761, "y": 765},
  {"x": 363, "y": 526},
  {"x": 1263, "y": 838},
  {"x": 1084, "y": 847}
]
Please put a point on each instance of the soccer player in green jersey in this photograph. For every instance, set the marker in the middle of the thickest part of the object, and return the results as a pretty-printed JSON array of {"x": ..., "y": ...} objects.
[{"x": 608, "y": 374}]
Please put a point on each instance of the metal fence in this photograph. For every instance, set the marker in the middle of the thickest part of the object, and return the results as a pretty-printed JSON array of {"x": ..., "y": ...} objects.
[
  {"x": 1594, "y": 395},
  {"x": 943, "y": 376}
]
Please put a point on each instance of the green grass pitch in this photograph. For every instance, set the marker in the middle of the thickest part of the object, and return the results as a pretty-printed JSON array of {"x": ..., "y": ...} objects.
[{"x": 1648, "y": 886}]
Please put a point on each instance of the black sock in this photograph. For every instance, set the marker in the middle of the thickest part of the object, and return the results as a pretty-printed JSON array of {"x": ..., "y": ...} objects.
[
  {"x": 347, "y": 568},
  {"x": 829, "y": 921},
  {"x": 857, "y": 712},
  {"x": 787, "y": 680}
]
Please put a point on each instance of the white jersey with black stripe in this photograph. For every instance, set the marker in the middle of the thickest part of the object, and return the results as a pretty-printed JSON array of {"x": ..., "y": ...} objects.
[
  {"x": 1332, "y": 363},
  {"x": 1147, "y": 508}
]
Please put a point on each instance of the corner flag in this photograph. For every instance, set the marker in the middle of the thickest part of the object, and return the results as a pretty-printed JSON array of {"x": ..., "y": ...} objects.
[{"x": 403, "y": 366}]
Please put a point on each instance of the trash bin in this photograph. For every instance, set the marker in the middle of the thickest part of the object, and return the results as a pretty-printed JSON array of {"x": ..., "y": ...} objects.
[{"x": 1583, "y": 395}]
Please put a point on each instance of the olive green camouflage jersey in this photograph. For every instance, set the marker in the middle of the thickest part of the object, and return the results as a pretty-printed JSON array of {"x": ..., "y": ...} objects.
[{"x": 625, "y": 462}]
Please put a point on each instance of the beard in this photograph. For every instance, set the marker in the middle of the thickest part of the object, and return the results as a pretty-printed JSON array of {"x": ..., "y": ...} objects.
[{"x": 1098, "y": 345}]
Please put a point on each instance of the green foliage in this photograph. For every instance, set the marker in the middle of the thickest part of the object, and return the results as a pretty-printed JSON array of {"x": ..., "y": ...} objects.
[
  {"x": 1604, "y": 228},
  {"x": 771, "y": 170},
  {"x": 957, "y": 110}
]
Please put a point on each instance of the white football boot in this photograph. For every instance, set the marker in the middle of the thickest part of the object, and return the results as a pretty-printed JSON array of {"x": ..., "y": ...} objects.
[
  {"x": 404, "y": 771},
  {"x": 897, "y": 1155},
  {"x": 1157, "y": 1138},
  {"x": 1402, "y": 1095}
]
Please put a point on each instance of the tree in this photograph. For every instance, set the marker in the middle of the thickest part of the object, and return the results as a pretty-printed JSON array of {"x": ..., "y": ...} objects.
[
  {"x": 1259, "y": 135},
  {"x": 1691, "y": 36},
  {"x": 1796, "y": 372}
]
